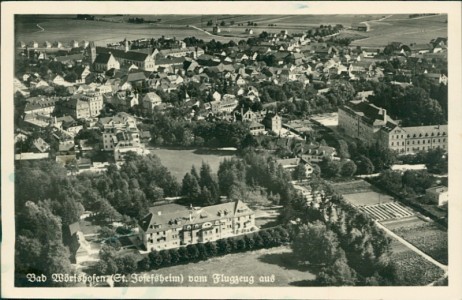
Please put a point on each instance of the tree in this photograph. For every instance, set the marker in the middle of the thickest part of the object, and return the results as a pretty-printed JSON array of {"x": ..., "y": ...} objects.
[
  {"x": 249, "y": 241},
  {"x": 183, "y": 254},
  {"x": 299, "y": 172},
  {"x": 348, "y": 168},
  {"x": 419, "y": 181},
  {"x": 343, "y": 149},
  {"x": 71, "y": 77},
  {"x": 211, "y": 248},
  {"x": 190, "y": 187},
  {"x": 338, "y": 273},
  {"x": 166, "y": 258},
  {"x": 174, "y": 256},
  {"x": 364, "y": 165},
  {"x": 155, "y": 259},
  {"x": 330, "y": 168},
  {"x": 193, "y": 252},
  {"x": 437, "y": 161},
  {"x": 223, "y": 246},
  {"x": 206, "y": 180},
  {"x": 106, "y": 232},
  {"x": 202, "y": 250},
  {"x": 126, "y": 264},
  {"x": 390, "y": 180},
  {"x": 241, "y": 245},
  {"x": 315, "y": 244}
]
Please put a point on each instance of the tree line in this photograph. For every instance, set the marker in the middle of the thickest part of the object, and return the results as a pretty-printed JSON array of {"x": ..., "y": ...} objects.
[
  {"x": 345, "y": 244},
  {"x": 112, "y": 262}
]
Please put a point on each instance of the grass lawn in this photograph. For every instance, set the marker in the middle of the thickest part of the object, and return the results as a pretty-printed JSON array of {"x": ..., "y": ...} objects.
[
  {"x": 179, "y": 162},
  {"x": 367, "y": 198},
  {"x": 266, "y": 262},
  {"x": 266, "y": 216},
  {"x": 352, "y": 187},
  {"x": 428, "y": 237}
]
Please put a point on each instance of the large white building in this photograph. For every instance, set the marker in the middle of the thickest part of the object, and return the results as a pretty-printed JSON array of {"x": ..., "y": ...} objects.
[
  {"x": 172, "y": 226},
  {"x": 371, "y": 124}
]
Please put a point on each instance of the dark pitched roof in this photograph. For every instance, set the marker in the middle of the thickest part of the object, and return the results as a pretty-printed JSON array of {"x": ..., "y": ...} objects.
[
  {"x": 129, "y": 55},
  {"x": 102, "y": 58}
]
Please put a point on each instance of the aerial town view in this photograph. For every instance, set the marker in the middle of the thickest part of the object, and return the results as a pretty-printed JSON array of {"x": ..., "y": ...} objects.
[{"x": 231, "y": 150}]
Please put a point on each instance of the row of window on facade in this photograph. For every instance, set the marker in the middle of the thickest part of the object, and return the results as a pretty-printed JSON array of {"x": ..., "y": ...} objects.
[
  {"x": 420, "y": 135},
  {"x": 418, "y": 142}
]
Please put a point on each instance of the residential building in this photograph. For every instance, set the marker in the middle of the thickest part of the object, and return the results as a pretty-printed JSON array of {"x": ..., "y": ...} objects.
[
  {"x": 172, "y": 226},
  {"x": 40, "y": 105},
  {"x": 77, "y": 107},
  {"x": 120, "y": 135},
  {"x": 292, "y": 163},
  {"x": 95, "y": 102},
  {"x": 438, "y": 194},
  {"x": 317, "y": 153},
  {"x": 151, "y": 100},
  {"x": 256, "y": 128}
]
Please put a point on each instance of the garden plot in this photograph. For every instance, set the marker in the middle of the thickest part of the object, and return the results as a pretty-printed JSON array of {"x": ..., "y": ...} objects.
[
  {"x": 387, "y": 211},
  {"x": 427, "y": 236}
]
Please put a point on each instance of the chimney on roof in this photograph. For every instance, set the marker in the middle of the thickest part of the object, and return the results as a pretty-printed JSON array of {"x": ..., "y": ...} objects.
[
  {"x": 384, "y": 112},
  {"x": 159, "y": 213}
]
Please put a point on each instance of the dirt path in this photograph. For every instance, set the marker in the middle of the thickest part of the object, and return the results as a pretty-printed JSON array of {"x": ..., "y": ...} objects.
[
  {"x": 204, "y": 31},
  {"x": 413, "y": 248},
  {"x": 41, "y": 28}
]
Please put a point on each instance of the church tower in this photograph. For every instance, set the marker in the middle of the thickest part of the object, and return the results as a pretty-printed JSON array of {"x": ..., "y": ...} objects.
[
  {"x": 126, "y": 46},
  {"x": 92, "y": 52}
]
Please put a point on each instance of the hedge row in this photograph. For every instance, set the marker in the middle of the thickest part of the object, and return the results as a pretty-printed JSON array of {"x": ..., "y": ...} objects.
[{"x": 266, "y": 238}]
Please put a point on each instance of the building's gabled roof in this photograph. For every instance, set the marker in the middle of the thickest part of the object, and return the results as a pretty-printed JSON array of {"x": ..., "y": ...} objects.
[
  {"x": 76, "y": 57},
  {"x": 427, "y": 131},
  {"x": 164, "y": 217},
  {"x": 102, "y": 58},
  {"x": 129, "y": 55},
  {"x": 368, "y": 112},
  {"x": 152, "y": 97}
]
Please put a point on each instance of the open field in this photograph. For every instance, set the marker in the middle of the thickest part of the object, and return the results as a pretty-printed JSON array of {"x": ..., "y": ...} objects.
[
  {"x": 405, "y": 30},
  {"x": 281, "y": 21},
  {"x": 427, "y": 236},
  {"x": 65, "y": 30},
  {"x": 265, "y": 262},
  {"x": 367, "y": 198},
  {"x": 179, "y": 162},
  {"x": 266, "y": 216},
  {"x": 115, "y": 28},
  {"x": 352, "y": 187}
]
